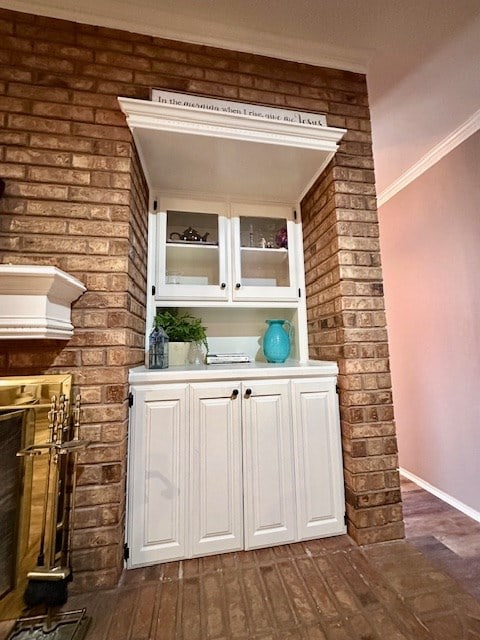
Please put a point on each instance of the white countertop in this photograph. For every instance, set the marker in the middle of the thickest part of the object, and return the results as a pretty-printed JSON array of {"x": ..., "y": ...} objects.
[{"x": 289, "y": 369}]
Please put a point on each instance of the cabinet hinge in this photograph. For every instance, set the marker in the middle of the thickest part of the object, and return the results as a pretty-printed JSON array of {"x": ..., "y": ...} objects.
[
  {"x": 345, "y": 519},
  {"x": 155, "y": 205},
  {"x": 299, "y": 292},
  {"x": 337, "y": 389},
  {"x": 153, "y": 290},
  {"x": 126, "y": 552},
  {"x": 294, "y": 214},
  {"x": 130, "y": 399}
]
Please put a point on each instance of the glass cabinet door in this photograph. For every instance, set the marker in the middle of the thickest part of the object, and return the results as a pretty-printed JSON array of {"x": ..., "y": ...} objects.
[
  {"x": 263, "y": 240},
  {"x": 191, "y": 255}
]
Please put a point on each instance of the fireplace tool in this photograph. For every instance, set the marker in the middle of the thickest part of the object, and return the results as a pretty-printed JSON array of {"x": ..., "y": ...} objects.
[{"x": 48, "y": 581}]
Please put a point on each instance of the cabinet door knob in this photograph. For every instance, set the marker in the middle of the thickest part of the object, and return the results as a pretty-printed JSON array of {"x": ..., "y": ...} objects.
[
  {"x": 234, "y": 395},
  {"x": 223, "y": 285},
  {"x": 248, "y": 393},
  {"x": 238, "y": 285}
]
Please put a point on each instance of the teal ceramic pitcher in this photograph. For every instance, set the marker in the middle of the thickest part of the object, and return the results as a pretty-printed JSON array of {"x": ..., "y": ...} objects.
[{"x": 276, "y": 341}]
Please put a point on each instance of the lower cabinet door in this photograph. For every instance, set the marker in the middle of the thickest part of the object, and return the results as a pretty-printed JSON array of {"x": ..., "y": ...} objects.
[
  {"x": 216, "y": 491},
  {"x": 268, "y": 464},
  {"x": 157, "y": 475},
  {"x": 318, "y": 459}
]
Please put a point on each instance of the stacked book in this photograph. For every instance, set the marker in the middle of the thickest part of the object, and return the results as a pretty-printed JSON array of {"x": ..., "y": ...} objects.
[{"x": 227, "y": 358}]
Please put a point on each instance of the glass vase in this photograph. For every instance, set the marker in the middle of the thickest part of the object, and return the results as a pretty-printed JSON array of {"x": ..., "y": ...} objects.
[{"x": 196, "y": 355}]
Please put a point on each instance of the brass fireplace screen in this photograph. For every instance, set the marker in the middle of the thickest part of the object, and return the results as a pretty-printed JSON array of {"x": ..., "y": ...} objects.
[{"x": 35, "y": 412}]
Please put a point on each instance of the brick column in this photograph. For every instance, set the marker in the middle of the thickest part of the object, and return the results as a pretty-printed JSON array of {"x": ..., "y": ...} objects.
[
  {"x": 347, "y": 323},
  {"x": 115, "y": 345}
]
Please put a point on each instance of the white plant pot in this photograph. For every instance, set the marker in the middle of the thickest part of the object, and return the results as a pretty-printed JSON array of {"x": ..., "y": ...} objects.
[{"x": 177, "y": 353}]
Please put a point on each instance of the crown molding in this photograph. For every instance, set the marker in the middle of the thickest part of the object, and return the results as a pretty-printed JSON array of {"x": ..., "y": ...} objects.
[
  {"x": 459, "y": 135},
  {"x": 257, "y": 154},
  {"x": 146, "y": 114},
  {"x": 162, "y": 24}
]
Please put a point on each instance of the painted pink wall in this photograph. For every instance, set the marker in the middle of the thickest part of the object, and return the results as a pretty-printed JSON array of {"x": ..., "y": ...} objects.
[{"x": 430, "y": 244}]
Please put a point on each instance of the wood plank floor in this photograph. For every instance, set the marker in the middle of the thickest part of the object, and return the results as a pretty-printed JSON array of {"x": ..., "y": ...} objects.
[
  {"x": 446, "y": 536},
  {"x": 423, "y": 588}
]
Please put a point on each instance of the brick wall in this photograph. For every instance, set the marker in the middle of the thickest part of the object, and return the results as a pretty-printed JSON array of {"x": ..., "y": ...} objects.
[
  {"x": 346, "y": 320},
  {"x": 75, "y": 198}
]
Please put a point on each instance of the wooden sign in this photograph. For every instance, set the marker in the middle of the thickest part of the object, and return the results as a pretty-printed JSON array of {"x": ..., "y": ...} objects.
[{"x": 241, "y": 109}]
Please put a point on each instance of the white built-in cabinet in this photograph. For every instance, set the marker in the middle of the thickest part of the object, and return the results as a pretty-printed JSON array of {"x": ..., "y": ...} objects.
[
  {"x": 232, "y": 464},
  {"x": 223, "y": 458}
]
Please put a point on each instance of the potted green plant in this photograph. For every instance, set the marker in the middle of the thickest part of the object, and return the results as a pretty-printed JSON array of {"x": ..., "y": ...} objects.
[{"x": 182, "y": 329}]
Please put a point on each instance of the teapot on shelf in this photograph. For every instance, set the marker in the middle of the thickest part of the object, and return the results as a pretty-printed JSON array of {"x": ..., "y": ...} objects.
[{"x": 189, "y": 235}]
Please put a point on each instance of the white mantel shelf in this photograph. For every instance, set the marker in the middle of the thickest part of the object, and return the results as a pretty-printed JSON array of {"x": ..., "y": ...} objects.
[
  {"x": 35, "y": 302},
  {"x": 225, "y": 155}
]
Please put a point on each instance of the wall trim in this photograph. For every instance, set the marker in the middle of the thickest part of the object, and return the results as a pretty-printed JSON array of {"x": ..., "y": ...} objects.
[
  {"x": 445, "y": 497},
  {"x": 453, "y": 140}
]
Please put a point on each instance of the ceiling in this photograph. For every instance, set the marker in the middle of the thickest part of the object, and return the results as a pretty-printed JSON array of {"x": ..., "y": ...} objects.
[
  {"x": 392, "y": 41},
  {"x": 346, "y": 34}
]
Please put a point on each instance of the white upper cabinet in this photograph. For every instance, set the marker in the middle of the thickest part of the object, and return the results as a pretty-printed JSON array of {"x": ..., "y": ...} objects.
[
  {"x": 226, "y": 252},
  {"x": 263, "y": 249},
  {"x": 191, "y": 250},
  {"x": 227, "y": 179}
]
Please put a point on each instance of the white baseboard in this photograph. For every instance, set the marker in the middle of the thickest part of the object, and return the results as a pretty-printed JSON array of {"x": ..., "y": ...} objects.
[{"x": 453, "y": 502}]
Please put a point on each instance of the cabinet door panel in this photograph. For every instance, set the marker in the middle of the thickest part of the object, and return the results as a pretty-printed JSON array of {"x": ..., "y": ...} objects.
[
  {"x": 157, "y": 478},
  {"x": 216, "y": 469},
  {"x": 263, "y": 240},
  {"x": 192, "y": 250},
  {"x": 268, "y": 465},
  {"x": 320, "y": 495}
]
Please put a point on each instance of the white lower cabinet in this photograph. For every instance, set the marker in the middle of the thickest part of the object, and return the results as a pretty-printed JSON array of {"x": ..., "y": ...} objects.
[
  {"x": 157, "y": 492},
  {"x": 268, "y": 476},
  {"x": 226, "y": 465},
  {"x": 216, "y": 493},
  {"x": 318, "y": 459}
]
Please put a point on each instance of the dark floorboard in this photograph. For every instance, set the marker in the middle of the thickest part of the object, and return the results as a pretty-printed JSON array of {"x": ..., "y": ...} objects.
[{"x": 423, "y": 588}]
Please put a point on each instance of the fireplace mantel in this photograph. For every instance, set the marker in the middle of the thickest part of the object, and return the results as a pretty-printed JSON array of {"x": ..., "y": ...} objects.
[{"x": 35, "y": 302}]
